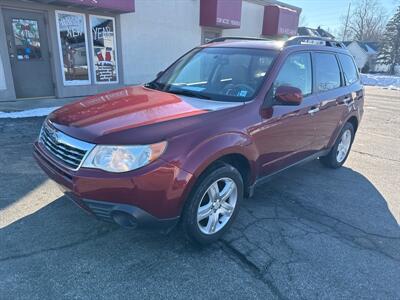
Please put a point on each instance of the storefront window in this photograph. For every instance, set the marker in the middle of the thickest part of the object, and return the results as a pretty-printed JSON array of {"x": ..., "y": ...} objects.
[
  {"x": 71, "y": 29},
  {"x": 104, "y": 48},
  {"x": 27, "y": 40}
]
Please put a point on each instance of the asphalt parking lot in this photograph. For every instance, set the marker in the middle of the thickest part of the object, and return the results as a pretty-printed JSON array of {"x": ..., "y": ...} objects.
[{"x": 308, "y": 233}]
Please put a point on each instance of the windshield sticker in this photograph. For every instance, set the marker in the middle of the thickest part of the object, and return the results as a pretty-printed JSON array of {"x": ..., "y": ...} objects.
[{"x": 242, "y": 94}]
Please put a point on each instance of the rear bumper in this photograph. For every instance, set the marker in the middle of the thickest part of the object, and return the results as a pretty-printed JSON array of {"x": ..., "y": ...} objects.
[{"x": 152, "y": 196}]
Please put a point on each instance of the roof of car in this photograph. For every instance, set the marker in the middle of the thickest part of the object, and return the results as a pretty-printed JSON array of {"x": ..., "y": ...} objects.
[
  {"x": 254, "y": 44},
  {"x": 305, "y": 42}
]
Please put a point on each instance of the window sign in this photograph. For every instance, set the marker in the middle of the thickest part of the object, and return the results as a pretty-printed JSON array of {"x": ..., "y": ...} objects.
[
  {"x": 26, "y": 38},
  {"x": 72, "y": 41},
  {"x": 104, "y": 48}
]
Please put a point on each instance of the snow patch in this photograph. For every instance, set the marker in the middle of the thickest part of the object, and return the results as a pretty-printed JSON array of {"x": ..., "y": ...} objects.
[
  {"x": 37, "y": 112},
  {"x": 384, "y": 81}
]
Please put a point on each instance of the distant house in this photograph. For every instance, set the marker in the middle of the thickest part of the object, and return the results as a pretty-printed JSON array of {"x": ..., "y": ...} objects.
[
  {"x": 365, "y": 54},
  {"x": 318, "y": 32}
]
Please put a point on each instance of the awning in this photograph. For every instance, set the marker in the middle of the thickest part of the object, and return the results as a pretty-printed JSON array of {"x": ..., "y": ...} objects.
[
  {"x": 220, "y": 13},
  {"x": 121, "y": 6},
  {"x": 280, "y": 20}
]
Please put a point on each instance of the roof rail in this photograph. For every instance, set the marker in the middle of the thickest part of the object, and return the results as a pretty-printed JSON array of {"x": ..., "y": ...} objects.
[
  {"x": 313, "y": 40},
  {"x": 296, "y": 40},
  {"x": 240, "y": 38}
]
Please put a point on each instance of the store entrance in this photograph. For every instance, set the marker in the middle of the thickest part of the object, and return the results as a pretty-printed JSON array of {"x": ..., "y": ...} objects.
[{"x": 29, "y": 53}]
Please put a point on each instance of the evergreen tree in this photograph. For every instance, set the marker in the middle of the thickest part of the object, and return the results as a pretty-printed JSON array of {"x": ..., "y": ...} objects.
[{"x": 390, "y": 50}]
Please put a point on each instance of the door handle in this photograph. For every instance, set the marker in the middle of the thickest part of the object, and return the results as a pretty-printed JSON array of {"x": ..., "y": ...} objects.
[{"x": 313, "y": 110}]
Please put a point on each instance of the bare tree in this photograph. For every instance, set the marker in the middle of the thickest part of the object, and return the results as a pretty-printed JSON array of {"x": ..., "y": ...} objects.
[{"x": 366, "y": 21}]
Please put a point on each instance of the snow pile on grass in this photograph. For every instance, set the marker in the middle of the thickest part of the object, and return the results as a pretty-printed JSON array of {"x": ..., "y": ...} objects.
[
  {"x": 385, "y": 81},
  {"x": 37, "y": 112}
]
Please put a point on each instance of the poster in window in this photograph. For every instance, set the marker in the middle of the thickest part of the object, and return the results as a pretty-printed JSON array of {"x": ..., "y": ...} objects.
[
  {"x": 104, "y": 48},
  {"x": 73, "y": 44},
  {"x": 27, "y": 40}
]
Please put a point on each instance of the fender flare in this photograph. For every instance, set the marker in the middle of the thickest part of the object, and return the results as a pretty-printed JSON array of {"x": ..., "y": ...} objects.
[
  {"x": 199, "y": 158},
  {"x": 335, "y": 136}
]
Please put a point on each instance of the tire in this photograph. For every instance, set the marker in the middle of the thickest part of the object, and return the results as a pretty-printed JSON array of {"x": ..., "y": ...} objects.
[
  {"x": 205, "y": 220},
  {"x": 340, "y": 151}
]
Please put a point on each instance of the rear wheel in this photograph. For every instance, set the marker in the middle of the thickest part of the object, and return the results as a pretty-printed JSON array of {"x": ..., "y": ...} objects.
[
  {"x": 340, "y": 151},
  {"x": 213, "y": 204}
]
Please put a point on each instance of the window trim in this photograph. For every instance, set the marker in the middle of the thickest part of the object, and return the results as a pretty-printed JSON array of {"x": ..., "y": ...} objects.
[
  {"x": 88, "y": 61},
  {"x": 115, "y": 42},
  {"x": 344, "y": 74}
]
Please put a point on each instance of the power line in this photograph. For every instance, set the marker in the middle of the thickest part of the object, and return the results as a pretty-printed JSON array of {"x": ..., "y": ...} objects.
[{"x": 347, "y": 23}]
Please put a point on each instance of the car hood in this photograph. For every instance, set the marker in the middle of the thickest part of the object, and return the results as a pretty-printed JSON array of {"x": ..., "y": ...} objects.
[{"x": 103, "y": 117}]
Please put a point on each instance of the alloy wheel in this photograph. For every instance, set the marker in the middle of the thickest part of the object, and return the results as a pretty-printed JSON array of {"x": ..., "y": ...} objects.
[
  {"x": 217, "y": 205},
  {"x": 344, "y": 146}
]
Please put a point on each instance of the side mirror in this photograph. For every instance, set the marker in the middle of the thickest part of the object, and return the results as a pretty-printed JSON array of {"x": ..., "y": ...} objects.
[
  {"x": 288, "y": 95},
  {"x": 160, "y": 73}
]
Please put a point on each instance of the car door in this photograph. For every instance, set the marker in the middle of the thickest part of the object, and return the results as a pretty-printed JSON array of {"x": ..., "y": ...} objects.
[
  {"x": 286, "y": 133},
  {"x": 332, "y": 94},
  {"x": 354, "y": 88}
]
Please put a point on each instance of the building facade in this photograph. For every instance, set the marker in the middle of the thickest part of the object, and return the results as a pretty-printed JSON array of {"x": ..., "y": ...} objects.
[{"x": 68, "y": 48}]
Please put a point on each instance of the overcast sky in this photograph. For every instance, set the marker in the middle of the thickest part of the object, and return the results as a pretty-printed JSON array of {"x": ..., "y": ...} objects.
[{"x": 327, "y": 12}]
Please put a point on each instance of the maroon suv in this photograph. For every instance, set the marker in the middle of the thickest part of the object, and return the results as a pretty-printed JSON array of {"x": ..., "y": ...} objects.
[{"x": 194, "y": 142}]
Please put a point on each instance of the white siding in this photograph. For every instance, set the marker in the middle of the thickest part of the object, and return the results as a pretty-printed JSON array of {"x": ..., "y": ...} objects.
[
  {"x": 2, "y": 77},
  {"x": 149, "y": 36},
  {"x": 360, "y": 56},
  {"x": 251, "y": 21}
]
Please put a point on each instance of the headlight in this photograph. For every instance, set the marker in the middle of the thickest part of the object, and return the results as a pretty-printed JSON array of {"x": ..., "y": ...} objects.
[{"x": 123, "y": 158}]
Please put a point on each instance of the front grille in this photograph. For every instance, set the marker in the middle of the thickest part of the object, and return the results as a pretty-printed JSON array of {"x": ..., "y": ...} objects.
[{"x": 70, "y": 151}]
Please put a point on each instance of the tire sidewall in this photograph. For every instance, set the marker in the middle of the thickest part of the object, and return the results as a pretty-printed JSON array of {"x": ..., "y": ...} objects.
[{"x": 189, "y": 218}]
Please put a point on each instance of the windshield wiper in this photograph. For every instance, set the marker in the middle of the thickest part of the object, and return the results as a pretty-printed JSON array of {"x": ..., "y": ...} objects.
[
  {"x": 189, "y": 93},
  {"x": 153, "y": 85}
]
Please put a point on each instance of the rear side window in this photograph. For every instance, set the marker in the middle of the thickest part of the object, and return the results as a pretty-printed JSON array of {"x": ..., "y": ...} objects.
[
  {"x": 327, "y": 72},
  {"x": 349, "y": 69},
  {"x": 296, "y": 72}
]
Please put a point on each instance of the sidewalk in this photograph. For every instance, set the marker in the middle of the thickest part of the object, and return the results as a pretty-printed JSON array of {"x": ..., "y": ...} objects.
[{"x": 35, "y": 103}]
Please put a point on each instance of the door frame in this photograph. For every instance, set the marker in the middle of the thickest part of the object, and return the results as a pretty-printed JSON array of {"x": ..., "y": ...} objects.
[{"x": 45, "y": 14}]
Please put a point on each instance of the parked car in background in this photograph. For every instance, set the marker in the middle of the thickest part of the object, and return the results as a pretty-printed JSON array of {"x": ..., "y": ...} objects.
[{"x": 189, "y": 146}]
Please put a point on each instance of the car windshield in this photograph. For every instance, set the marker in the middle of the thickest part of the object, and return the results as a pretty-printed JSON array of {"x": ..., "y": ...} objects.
[{"x": 222, "y": 74}]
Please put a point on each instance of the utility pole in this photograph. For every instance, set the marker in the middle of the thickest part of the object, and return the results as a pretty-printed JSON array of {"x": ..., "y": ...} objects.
[{"x": 347, "y": 22}]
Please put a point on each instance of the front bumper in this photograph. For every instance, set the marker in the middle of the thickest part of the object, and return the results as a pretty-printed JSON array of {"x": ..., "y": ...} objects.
[
  {"x": 123, "y": 214},
  {"x": 152, "y": 196}
]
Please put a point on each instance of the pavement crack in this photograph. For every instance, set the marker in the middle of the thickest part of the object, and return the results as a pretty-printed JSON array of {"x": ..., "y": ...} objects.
[
  {"x": 257, "y": 272},
  {"x": 66, "y": 246},
  {"x": 375, "y": 156},
  {"x": 340, "y": 229}
]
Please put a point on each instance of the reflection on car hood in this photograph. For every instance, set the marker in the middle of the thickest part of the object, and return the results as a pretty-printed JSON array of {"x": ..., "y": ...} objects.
[{"x": 128, "y": 108}]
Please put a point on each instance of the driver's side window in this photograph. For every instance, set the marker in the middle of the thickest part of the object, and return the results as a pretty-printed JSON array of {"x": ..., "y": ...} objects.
[{"x": 296, "y": 72}]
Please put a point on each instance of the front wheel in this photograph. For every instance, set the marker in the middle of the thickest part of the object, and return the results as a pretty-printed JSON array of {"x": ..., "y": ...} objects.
[
  {"x": 213, "y": 204},
  {"x": 340, "y": 151}
]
